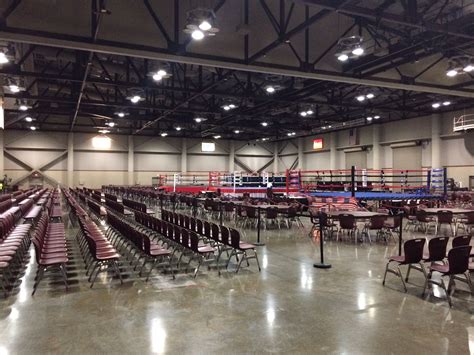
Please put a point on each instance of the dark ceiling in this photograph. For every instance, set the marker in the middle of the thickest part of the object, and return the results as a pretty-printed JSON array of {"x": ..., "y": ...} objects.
[{"x": 79, "y": 63}]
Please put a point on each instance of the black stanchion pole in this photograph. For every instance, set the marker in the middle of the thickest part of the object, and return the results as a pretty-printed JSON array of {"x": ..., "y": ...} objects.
[
  {"x": 259, "y": 243},
  {"x": 220, "y": 213},
  {"x": 400, "y": 235},
  {"x": 353, "y": 181},
  {"x": 321, "y": 265}
]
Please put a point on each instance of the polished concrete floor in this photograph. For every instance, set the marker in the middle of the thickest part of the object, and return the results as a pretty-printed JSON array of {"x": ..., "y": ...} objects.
[{"x": 290, "y": 307}]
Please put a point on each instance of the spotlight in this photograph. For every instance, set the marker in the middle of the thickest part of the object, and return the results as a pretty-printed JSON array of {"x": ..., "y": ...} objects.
[
  {"x": 270, "y": 89},
  {"x": 217, "y": 137},
  {"x": 3, "y": 58},
  {"x": 33, "y": 128},
  {"x": 436, "y": 105},
  {"x": 342, "y": 57},
  {"x": 446, "y": 103},
  {"x": 205, "y": 25},
  {"x": 164, "y": 134},
  {"x": 452, "y": 72},
  {"x": 468, "y": 68},
  {"x": 135, "y": 99},
  {"x": 197, "y": 35},
  {"x": 264, "y": 124},
  {"x": 360, "y": 98},
  {"x": 370, "y": 96},
  {"x": 14, "y": 88},
  {"x": 358, "y": 51},
  {"x": 28, "y": 119}
]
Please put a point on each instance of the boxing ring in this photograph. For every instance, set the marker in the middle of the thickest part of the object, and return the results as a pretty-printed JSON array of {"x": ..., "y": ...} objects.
[
  {"x": 369, "y": 184},
  {"x": 234, "y": 184}
]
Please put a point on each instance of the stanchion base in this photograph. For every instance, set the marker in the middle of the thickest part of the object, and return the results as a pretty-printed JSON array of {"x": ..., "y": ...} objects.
[
  {"x": 259, "y": 244},
  {"x": 322, "y": 266}
]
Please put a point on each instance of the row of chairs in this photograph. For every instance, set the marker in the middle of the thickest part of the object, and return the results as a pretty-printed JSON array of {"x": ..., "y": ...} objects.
[
  {"x": 96, "y": 250},
  {"x": 138, "y": 206},
  {"x": 455, "y": 267},
  {"x": 14, "y": 244},
  {"x": 222, "y": 237},
  {"x": 137, "y": 244},
  {"x": 51, "y": 252}
]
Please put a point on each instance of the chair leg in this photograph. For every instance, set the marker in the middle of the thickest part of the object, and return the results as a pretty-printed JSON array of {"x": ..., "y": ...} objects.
[
  {"x": 408, "y": 272},
  {"x": 401, "y": 278},
  {"x": 385, "y": 274},
  {"x": 117, "y": 270}
]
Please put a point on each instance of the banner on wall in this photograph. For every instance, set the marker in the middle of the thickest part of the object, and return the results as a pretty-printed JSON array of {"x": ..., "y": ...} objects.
[{"x": 353, "y": 136}]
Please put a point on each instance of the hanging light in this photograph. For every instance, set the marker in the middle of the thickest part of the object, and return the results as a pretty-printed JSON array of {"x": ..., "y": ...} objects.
[
  {"x": 270, "y": 89},
  {"x": 199, "y": 119},
  {"x": 28, "y": 119},
  {"x": 205, "y": 25},
  {"x": 358, "y": 51},
  {"x": 200, "y": 23},
  {"x": 436, "y": 105},
  {"x": 446, "y": 103},
  {"x": 369, "y": 118},
  {"x": 121, "y": 114},
  {"x": 459, "y": 64},
  {"x": 360, "y": 98},
  {"x": 228, "y": 106},
  {"x": 376, "y": 117},
  {"x": 264, "y": 124},
  {"x": 23, "y": 108},
  {"x": 468, "y": 68},
  {"x": 452, "y": 72},
  {"x": 342, "y": 57},
  {"x": 111, "y": 124},
  {"x": 3, "y": 58},
  {"x": 135, "y": 99},
  {"x": 370, "y": 96},
  {"x": 217, "y": 137},
  {"x": 164, "y": 134},
  {"x": 33, "y": 128},
  {"x": 236, "y": 131},
  {"x": 178, "y": 128}
]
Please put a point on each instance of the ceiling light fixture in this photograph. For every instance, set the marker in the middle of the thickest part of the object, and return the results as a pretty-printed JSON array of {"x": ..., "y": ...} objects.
[
  {"x": 236, "y": 131},
  {"x": 110, "y": 124},
  {"x": 33, "y": 128},
  {"x": 178, "y": 128},
  {"x": 349, "y": 48},
  {"x": 360, "y": 98},
  {"x": 370, "y": 96},
  {"x": 270, "y": 89},
  {"x": 121, "y": 114},
  {"x": 369, "y": 118},
  {"x": 199, "y": 119},
  {"x": 376, "y": 117},
  {"x": 228, "y": 106},
  {"x": 164, "y": 134},
  {"x": 446, "y": 103},
  {"x": 436, "y": 105},
  {"x": 217, "y": 137},
  {"x": 135, "y": 99},
  {"x": 200, "y": 23},
  {"x": 28, "y": 119},
  {"x": 264, "y": 124}
]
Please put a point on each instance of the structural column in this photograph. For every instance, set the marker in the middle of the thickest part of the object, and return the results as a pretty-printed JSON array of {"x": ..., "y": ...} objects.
[
  {"x": 275, "y": 158},
  {"x": 131, "y": 161},
  {"x": 376, "y": 147},
  {"x": 333, "y": 151},
  {"x": 184, "y": 155},
  {"x": 70, "y": 159},
  {"x": 436, "y": 141},
  {"x": 231, "y": 156},
  {"x": 300, "y": 153}
]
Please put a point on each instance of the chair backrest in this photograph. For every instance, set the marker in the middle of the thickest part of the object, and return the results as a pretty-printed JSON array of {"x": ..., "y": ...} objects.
[
  {"x": 194, "y": 241},
  {"x": 251, "y": 212},
  {"x": 185, "y": 238},
  {"x": 470, "y": 217},
  {"x": 347, "y": 221},
  {"x": 207, "y": 229},
  {"x": 421, "y": 216},
  {"x": 437, "y": 248},
  {"x": 445, "y": 217},
  {"x": 377, "y": 222},
  {"x": 413, "y": 249},
  {"x": 458, "y": 259},
  {"x": 215, "y": 232},
  {"x": 271, "y": 212},
  {"x": 461, "y": 240},
  {"x": 225, "y": 235},
  {"x": 199, "y": 226},
  {"x": 234, "y": 238}
]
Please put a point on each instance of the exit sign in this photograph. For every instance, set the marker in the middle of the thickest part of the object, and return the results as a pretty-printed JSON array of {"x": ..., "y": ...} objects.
[{"x": 317, "y": 144}]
